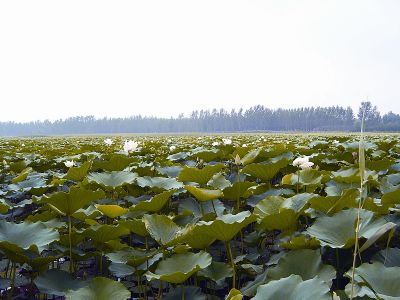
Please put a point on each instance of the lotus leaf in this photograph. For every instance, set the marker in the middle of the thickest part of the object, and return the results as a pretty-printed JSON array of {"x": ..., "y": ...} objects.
[
  {"x": 113, "y": 179},
  {"x": 180, "y": 267},
  {"x": 100, "y": 288},
  {"x": 204, "y": 194},
  {"x": 201, "y": 176},
  {"x": 293, "y": 288}
]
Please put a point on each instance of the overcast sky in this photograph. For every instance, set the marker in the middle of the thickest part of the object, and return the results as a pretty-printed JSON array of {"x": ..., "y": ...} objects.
[{"x": 121, "y": 58}]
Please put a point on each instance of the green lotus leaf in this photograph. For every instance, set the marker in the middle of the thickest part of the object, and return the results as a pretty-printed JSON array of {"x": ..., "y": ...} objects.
[
  {"x": 293, "y": 288},
  {"x": 225, "y": 227},
  {"x": 304, "y": 177},
  {"x": 121, "y": 270},
  {"x": 133, "y": 257},
  {"x": 178, "y": 156},
  {"x": 300, "y": 242},
  {"x": 113, "y": 179},
  {"x": 190, "y": 206},
  {"x": 376, "y": 280},
  {"x": 117, "y": 162},
  {"x": 154, "y": 204},
  {"x": 306, "y": 263},
  {"x": 100, "y": 288},
  {"x": 390, "y": 199},
  {"x": 105, "y": 233},
  {"x": 111, "y": 210},
  {"x": 389, "y": 257},
  {"x": 70, "y": 202},
  {"x": 23, "y": 175},
  {"x": 135, "y": 226},
  {"x": 78, "y": 173},
  {"x": 379, "y": 165},
  {"x": 219, "y": 181},
  {"x": 26, "y": 235},
  {"x": 180, "y": 267},
  {"x": 334, "y": 204},
  {"x": 238, "y": 189},
  {"x": 159, "y": 182},
  {"x": 271, "y": 214},
  {"x": 337, "y": 231},
  {"x": 234, "y": 294},
  {"x": 250, "y": 156},
  {"x": 4, "y": 206},
  {"x": 57, "y": 282},
  {"x": 204, "y": 194},
  {"x": 170, "y": 171},
  {"x": 198, "y": 237},
  {"x": 88, "y": 213},
  {"x": 201, "y": 176},
  {"x": 33, "y": 181},
  {"x": 162, "y": 229},
  {"x": 217, "y": 272},
  {"x": 265, "y": 172}
]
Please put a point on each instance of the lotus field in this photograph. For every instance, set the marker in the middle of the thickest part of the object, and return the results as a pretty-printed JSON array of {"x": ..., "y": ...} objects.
[{"x": 200, "y": 217}]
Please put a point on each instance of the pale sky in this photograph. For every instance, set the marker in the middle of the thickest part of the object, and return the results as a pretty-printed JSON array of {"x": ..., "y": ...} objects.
[{"x": 122, "y": 58}]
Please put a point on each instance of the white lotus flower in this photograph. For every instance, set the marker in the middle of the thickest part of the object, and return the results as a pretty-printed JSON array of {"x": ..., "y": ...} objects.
[
  {"x": 244, "y": 145},
  {"x": 69, "y": 163},
  {"x": 306, "y": 165},
  {"x": 215, "y": 144},
  {"x": 227, "y": 141},
  {"x": 23, "y": 145},
  {"x": 130, "y": 146},
  {"x": 108, "y": 142},
  {"x": 172, "y": 148},
  {"x": 300, "y": 160}
]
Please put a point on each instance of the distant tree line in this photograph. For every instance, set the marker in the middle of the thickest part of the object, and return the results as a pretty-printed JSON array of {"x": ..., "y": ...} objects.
[{"x": 256, "y": 118}]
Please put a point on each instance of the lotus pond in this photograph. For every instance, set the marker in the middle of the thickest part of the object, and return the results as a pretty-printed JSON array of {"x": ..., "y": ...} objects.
[{"x": 200, "y": 217}]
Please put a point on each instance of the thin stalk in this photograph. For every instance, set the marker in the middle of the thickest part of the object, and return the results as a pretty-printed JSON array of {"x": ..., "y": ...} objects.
[
  {"x": 101, "y": 263},
  {"x": 229, "y": 251},
  {"x": 14, "y": 271},
  {"x": 183, "y": 292},
  {"x": 361, "y": 164},
  {"x": 70, "y": 243}
]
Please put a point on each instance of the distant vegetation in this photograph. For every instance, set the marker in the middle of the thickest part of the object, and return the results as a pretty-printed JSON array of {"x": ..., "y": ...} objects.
[{"x": 334, "y": 118}]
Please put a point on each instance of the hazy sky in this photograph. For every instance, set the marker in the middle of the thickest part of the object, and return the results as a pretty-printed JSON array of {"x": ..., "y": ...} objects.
[{"x": 120, "y": 58}]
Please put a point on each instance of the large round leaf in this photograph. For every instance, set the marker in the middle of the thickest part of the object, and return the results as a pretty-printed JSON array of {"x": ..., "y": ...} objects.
[
  {"x": 306, "y": 263},
  {"x": 162, "y": 229},
  {"x": 70, "y": 202},
  {"x": 112, "y": 179},
  {"x": 204, "y": 194},
  {"x": 155, "y": 204},
  {"x": 338, "y": 231},
  {"x": 293, "y": 288},
  {"x": 57, "y": 282},
  {"x": 377, "y": 279},
  {"x": 159, "y": 182},
  {"x": 111, "y": 210},
  {"x": 100, "y": 288},
  {"x": 225, "y": 227},
  {"x": 201, "y": 176},
  {"x": 180, "y": 267},
  {"x": 26, "y": 235}
]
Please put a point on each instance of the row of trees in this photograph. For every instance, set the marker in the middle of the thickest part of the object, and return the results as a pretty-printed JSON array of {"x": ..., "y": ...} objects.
[{"x": 256, "y": 118}]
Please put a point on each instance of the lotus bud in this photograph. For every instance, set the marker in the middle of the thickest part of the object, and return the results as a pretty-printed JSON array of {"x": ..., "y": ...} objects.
[{"x": 237, "y": 160}]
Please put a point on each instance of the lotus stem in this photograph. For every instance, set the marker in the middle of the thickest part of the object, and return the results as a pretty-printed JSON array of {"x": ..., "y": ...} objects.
[
  {"x": 101, "y": 263},
  {"x": 229, "y": 251},
  {"x": 70, "y": 243},
  {"x": 361, "y": 164},
  {"x": 183, "y": 292},
  {"x": 14, "y": 271}
]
